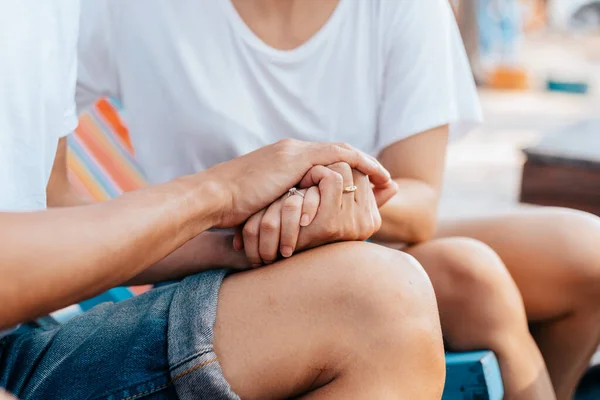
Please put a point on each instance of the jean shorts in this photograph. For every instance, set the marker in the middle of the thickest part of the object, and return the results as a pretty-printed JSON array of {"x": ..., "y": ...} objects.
[{"x": 158, "y": 345}]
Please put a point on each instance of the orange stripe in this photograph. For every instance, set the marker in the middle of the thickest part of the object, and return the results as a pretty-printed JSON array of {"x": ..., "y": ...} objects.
[
  {"x": 140, "y": 289},
  {"x": 125, "y": 167},
  {"x": 112, "y": 164},
  {"x": 95, "y": 192},
  {"x": 78, "y": 168},
  {"x": 77, "y": 184},
  {"x": 113, "y": 148},
  {"x": 112, "y": 117}
]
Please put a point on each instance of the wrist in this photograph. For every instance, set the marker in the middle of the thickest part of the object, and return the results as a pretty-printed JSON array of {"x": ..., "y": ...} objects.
[
  {"x": 204, "y": 201},
  {"x": 226, "y": 255}
]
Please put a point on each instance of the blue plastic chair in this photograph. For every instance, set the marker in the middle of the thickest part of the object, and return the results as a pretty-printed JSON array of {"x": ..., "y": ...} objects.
[
  {"x": 114, "y": 295},
  {"x": 473, "y": 376}
]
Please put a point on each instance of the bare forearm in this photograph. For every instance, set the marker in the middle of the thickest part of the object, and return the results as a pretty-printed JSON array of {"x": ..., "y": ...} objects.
[
  {"x": 410, "y": 216},
  {"x": 67, "y": 198},
  {"x": 209, "y": 250},
  {"x": 54, "y": 258}
]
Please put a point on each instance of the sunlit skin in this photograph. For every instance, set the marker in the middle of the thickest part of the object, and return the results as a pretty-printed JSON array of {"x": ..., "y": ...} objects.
[
  {"x": 525, "y": 285},
  {"x": 313, "y": 342}
]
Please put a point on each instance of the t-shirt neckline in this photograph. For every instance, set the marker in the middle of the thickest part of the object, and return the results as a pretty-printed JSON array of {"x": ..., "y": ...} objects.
[{"x": 283, "y": 55}]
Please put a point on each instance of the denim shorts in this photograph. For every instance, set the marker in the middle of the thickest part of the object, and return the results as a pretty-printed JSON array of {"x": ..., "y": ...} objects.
[{"x": 158, "y": 345}]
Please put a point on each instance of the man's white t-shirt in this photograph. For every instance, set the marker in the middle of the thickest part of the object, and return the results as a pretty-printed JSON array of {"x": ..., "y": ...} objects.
[
  {"x": 199, "y": 87},
  {"x": 38, "y": 60}
]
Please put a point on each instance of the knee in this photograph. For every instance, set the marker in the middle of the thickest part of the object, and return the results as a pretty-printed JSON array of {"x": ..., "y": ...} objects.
[
  {"x": 471, "y": 268},
  {"x": 478, "y": 298},
  {"x": 576, "y": 240},
  {"x": 382, "y": 281},
  {"x": 390, "y": 298}
]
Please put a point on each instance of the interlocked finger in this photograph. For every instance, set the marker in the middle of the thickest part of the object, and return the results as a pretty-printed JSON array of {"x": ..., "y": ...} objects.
[{"x": 348, "y": 188}]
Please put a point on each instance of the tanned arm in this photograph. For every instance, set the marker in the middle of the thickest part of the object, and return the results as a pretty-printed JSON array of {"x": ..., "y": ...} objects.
[
  {"x": 50, "y": 259},
  {"x": 205, "y": 251},
  {"x": 64, "y": 255},
  {"x": 416, "y": 164}
]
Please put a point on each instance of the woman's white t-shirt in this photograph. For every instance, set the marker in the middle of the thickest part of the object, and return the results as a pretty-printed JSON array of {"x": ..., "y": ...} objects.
[{"x": 199, "y": 87}]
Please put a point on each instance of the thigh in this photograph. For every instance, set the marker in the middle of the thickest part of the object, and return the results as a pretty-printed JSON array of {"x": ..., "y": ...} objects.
[
  {"x": 288, "y": 327},
  {"x": 541, "y": 248}
]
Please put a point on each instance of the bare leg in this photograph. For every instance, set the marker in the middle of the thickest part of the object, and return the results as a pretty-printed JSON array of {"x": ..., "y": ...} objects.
[
  {"x": 553, "y": 256},
  {"x": 481, "y": 308},
  {"x": 351, "y": 320}
]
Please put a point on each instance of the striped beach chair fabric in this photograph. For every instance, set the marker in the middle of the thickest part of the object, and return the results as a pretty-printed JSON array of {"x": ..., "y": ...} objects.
[
  {"x": 101, "y": 166},
  {"x": 100, "y": 156}
]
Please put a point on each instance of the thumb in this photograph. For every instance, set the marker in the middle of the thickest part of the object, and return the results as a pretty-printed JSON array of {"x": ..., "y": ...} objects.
[{"x": 384, "y": 193}]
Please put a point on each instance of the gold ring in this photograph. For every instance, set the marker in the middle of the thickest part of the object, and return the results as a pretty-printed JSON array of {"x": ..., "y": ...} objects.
[
  {"x": 293, "y": 191},
  {"x": 350, "y": 189}
]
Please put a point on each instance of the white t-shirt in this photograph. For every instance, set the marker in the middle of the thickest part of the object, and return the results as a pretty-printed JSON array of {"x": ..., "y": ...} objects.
[
  {"x": 38, "y": 60},
  {"x": 199, "y": 87}
]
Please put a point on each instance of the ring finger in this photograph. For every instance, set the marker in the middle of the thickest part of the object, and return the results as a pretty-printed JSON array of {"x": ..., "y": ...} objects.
[
  {"x": 290, "y": 224},
  {"x": 250, "y": 233},
  {"x": 310, "y": 206},
  {"x": 363, "y": 188},
  {"x": 346, "y": 172},
  {"x": 270, "y": 227}
]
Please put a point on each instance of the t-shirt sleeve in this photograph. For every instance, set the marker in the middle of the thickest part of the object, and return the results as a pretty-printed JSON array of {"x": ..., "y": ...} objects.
[
  {"x": 427, "y": 78},
  {"x": 97, "y": 75},
  {"x": 70, "y": 120}
]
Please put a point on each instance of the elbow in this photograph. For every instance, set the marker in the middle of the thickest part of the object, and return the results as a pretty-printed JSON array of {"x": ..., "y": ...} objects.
[
  {"x": 424, "y": 229},
  {"x": 14, "y": 310},
  {"x": 8, "y": 318},
  {"x": 423, "y": 233}
]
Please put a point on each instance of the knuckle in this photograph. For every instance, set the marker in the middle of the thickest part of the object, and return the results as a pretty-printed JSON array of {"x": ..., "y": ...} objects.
[
  {"x": 331, "y": 231},
  {"x": 287, "y": 142},
  {"x": 286, "y": 146},
  {"x": 292, "y": 204},
  {"x": 269, "y": 225},
  {"x": 337, "y": 178},
  {"x": 268, "y": 256},
  {"x": 344, "y": 145},
  {"x": 250, "y": 230},
  {"x": 335, "y": 149},
  {"x": 342, "y": 168}
]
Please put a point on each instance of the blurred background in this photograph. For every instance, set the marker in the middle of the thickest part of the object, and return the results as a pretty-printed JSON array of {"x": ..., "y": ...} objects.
[{"x": 537, "y": 64}]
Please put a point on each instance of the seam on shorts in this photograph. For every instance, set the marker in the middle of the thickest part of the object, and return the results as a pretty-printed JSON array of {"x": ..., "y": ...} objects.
[
  {"x": 197, "y": 354},
  {"x": 172, "y": 380},
  {"x": 192, "y": 369}
]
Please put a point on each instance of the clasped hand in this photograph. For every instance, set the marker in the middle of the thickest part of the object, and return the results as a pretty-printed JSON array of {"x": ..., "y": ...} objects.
[{"x": 322, "y": 214}]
